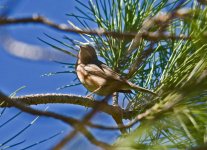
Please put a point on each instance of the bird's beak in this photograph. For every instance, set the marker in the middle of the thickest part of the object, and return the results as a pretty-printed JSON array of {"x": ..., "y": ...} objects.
[{"x": 82, "y": 46}]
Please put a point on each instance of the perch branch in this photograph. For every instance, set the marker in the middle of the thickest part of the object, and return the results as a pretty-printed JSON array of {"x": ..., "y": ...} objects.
[
  {"x": 73, "y": 122},
  {"x": 52, "y": 98}
]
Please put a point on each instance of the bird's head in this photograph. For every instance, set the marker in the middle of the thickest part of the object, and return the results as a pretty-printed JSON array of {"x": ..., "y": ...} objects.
[{"x": 87, "y": 54}]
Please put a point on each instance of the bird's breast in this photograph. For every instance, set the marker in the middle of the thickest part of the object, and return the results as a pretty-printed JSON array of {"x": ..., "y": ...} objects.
[
  {"x": 90, "y": 81},
  {"x": 81, "y": 73}
]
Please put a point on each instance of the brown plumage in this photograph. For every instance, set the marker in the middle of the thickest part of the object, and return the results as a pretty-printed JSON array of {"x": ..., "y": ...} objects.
[{"x": 98, "y": 77}]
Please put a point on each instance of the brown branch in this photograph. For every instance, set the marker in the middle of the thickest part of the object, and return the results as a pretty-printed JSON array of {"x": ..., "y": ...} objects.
[
  {"x": 35, "y": 99},
  {"x": 115, "y": 111},
  {"x": 100, "y": 32},
  {"x": 73, "y": 122},
  {"x": 52, "y": 98},
  {"x": 62, "y": 27},
  {"x": 157, "y": 36}
]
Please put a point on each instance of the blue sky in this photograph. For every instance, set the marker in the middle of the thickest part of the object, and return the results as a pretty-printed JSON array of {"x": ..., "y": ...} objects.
[{"x": 16, "y": 72}]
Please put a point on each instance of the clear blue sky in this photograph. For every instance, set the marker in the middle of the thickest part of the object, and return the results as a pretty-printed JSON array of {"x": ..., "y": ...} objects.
[{"x": 16, "y": 72}]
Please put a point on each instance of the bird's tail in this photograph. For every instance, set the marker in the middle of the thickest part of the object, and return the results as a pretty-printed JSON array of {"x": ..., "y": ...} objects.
[{"x": 136, "y": 87}]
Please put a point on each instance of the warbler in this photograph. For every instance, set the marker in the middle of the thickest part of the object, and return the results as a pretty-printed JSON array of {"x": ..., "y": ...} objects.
[{"x": 98, "y": 78}]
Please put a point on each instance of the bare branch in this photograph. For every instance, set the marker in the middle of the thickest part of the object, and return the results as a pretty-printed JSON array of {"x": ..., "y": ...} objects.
[
  {"x": 73, "y": 122},
  {"x": 52, "y": 98},
  {"x": 114, "y": 111},
  {"x": 65, "y": 28}
]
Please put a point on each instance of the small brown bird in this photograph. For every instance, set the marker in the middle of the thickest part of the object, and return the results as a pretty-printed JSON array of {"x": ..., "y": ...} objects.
[{"x": 99, "y": 78}]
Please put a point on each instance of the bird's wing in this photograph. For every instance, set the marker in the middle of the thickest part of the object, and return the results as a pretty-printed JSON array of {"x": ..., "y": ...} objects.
[{"x": 103, "y": 71}]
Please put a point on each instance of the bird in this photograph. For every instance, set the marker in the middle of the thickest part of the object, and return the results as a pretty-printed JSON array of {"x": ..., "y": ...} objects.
[{"x": 99, "y": 78}]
